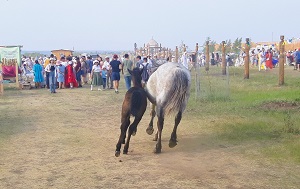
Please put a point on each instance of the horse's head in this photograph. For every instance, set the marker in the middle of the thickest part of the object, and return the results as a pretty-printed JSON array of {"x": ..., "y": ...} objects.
[{"x": 136, "y": 75}]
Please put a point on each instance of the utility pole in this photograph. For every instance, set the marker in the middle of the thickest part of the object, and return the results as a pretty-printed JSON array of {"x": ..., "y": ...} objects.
[
  {"x": 281, "y": 60},
  {"x": 223, "y": 59},
  {"x": 207, "y": 57},
  {"x": 247, "y": 48}
]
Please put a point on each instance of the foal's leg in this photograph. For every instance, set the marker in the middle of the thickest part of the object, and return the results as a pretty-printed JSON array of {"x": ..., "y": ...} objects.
[
  {"x": 124, "y": 127},
  {"x": 160, "y": 124},
  {"x": 132, "y": 128},
  {"x": 173, "y": 139},
  {"x": 155, "y": 136},
  {"x": 150, "y": 129}
]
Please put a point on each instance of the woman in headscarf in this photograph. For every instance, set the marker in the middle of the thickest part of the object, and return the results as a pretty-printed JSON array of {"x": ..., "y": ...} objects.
[
  {"x": 38, "y": 75},
  {"x": 269, "y": 58},
  {"x": 84, "y": 69},
  {"x": 96, "y": 75},
  {"x": 60, "y": 71},
  {"x": 70, "y": 80},
  {"x": 78, "y": 71}
]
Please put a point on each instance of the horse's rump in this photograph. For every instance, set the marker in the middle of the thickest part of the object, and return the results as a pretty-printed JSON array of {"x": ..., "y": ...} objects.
[
  {"x": 169, "y": 87},
  {"x": 178, "y": 94}
]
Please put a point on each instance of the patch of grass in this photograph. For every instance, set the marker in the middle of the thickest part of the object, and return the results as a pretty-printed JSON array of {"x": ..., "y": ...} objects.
[
  {"x": 246, "y": 132},
  {"x": 289, "y": 124},
  {"x": 287, "y": 150},
  {"x": 252, "y": 110}
]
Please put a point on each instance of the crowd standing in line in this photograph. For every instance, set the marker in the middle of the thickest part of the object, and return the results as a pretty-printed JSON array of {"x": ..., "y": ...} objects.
[{"x": 74, "y": 72}]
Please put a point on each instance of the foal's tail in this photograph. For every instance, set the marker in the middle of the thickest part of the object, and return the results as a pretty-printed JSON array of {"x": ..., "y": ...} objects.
[
  {"x": 178, "y": 94},
  {"x": 136, "y": 103}
]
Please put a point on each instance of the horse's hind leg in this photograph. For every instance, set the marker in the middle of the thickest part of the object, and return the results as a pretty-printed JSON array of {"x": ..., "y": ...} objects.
[
  {"x": 132, "y": 128},
  {"x": 150, "y": 129},
  {"x": 173, "y": 139},
  {"x": 160, "y": 124},
  {"x": 124, "y": 127}
]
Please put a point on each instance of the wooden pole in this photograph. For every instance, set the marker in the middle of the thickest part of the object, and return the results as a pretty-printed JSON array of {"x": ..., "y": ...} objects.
[
  {"x": 281, "y": 60},
  {"x": 207, "y": 57},
  {"x": 1, "y": 79},
  {"x": 197, "y": 83},
  {"x": 135, "y": 49},
  {"x": 147, "y": 51},
  {"x": 196, "y": 50},
  {"x": 223, "y": 59},
  {"x": 17, "y": 68},
  {"x": 247, "y": 48},
  {"x": 176, "y": 54},
  {"x": 17, "y": 75}
]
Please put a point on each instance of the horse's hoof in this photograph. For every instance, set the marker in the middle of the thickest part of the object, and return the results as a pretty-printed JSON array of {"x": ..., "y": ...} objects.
[
  {"x": 172, "y": 143},
  {"x": 133, "y": 133},
  {"x": 125, "y": 152},
  {"x": 155, "y": 137},
  {"x": 150, "y": 130},
  {"x": 117, "y": 154},
  {"x": 157, "y": 150}
]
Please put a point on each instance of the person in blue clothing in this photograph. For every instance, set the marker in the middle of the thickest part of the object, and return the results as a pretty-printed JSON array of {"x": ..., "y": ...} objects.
[
  {"x": 50, "y": 68},
  {"x": 104, "y": 74},
  {"x": 90, "y": 64},
  {"x": 38, "y": 75},
  {"x": 139, "y": 61},
  {"x": 127, "y": 65},
  {"x": 116, "y": 66},
  {"x": 297, "y": 59},
  {"x": 60, "y": 72}
]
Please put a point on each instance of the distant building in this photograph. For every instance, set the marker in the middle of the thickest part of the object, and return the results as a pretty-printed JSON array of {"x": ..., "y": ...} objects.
[
  {"x": 62, "y": 52},
  {"x": 152, "y": 48}
]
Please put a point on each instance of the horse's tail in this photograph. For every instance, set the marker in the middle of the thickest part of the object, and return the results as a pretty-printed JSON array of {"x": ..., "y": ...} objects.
[
  {"x": 178, "y": 94},
  {"x": 136, "y": 102}
]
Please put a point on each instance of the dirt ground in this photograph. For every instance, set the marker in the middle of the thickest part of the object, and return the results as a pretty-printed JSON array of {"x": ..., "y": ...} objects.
[{"x": 67, "y": 140}]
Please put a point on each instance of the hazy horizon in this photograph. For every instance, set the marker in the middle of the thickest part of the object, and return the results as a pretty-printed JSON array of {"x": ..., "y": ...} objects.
[{"x": 117, "y": 25}]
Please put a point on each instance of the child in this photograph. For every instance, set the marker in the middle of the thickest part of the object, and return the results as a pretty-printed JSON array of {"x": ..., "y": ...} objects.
[{"x": 104, "y": 73}]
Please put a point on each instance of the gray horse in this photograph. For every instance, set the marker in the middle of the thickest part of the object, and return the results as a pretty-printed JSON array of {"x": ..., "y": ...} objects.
[{"x": 168, "y": 89}]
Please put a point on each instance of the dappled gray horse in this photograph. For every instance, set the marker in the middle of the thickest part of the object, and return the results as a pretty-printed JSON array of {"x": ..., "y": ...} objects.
[{"x": 168, "y": 89}]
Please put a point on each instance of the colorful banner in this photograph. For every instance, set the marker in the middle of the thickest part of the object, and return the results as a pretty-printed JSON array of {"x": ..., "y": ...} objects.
[{"x": 11, "y": 53}]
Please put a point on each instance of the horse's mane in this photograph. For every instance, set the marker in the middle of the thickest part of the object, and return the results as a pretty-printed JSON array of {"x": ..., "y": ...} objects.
[{"x": 156, "y": 63}]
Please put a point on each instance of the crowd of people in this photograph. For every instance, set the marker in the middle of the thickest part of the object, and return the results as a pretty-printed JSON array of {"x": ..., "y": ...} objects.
[
  {"x": 74, "y": 72},
  {"x": 293, "y": 58},
  {"x": 263, "y": 59}
]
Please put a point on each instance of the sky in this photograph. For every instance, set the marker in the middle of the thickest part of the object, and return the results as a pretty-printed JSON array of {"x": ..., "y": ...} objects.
[{"x": 44, "y": 25}]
